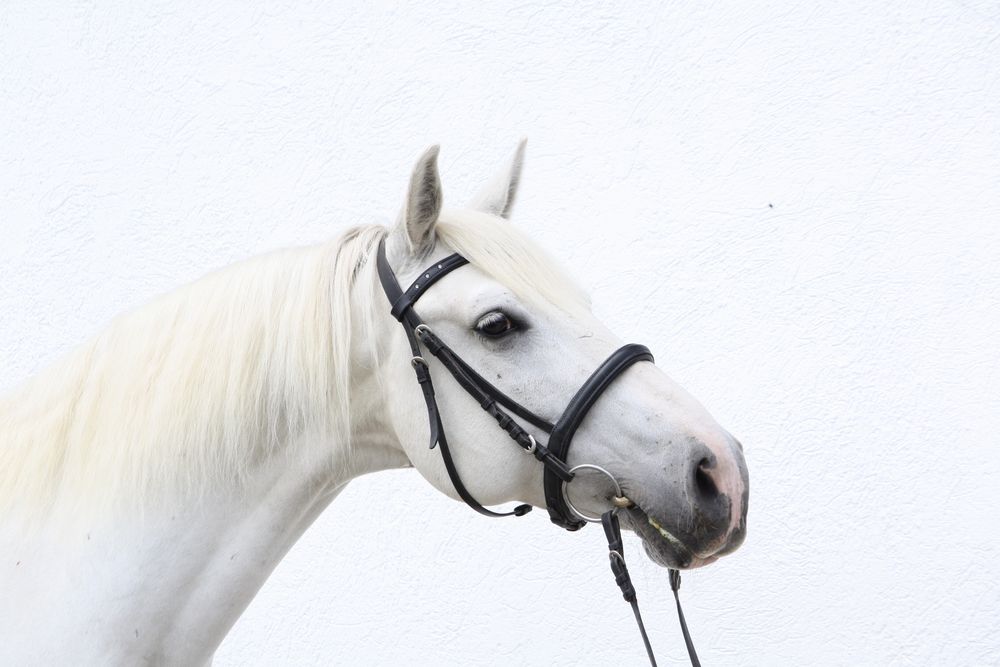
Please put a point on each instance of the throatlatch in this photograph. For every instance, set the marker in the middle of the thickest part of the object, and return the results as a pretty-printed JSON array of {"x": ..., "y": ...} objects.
[{"x": 552, "y": 455}]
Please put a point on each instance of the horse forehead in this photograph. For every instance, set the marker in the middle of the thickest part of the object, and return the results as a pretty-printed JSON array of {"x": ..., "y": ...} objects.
[
  {"x": 469, "y": 289},
  {"x": 466, "y": 287}
]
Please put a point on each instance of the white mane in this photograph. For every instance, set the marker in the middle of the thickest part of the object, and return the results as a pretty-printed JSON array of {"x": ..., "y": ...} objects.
[{"x": 194, "y": 388}]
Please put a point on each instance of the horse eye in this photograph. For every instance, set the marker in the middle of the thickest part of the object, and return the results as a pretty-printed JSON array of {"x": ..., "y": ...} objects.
[{"x": 495, "y": 325}]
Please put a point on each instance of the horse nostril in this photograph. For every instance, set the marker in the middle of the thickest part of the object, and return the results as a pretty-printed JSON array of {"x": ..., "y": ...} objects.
[{"x": 703, "y": 480}]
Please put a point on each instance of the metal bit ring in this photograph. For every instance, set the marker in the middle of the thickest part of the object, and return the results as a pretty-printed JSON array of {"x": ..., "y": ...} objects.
[{"x": 619, "y": 497}]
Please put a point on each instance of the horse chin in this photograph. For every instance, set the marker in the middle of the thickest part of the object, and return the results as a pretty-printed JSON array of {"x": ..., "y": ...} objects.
[{"x": 661, "y": 546}]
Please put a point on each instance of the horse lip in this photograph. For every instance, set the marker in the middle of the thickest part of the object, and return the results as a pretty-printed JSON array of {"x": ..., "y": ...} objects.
[
  {"x": 647, "y": 527},
  {"x": 655, "y": 537},
  {"x": 667, "y": 535}
]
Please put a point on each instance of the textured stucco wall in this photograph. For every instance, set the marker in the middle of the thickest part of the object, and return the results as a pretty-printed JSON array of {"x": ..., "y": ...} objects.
[{"x": 795, "y": 205}]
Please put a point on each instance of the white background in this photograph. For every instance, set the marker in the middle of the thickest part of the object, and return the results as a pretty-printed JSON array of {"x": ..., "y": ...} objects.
[{"x": 795, "y": 206}]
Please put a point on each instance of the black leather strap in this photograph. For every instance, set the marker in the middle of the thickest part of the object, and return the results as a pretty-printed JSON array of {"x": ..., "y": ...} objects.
[
  {"x": 431, "y": 275},
  {"x": 503, "y": 399},
  {"x": 488, "y": 396},
  {"x": 463, "y": 493},
  {"x": 559, "y": 441},
  {"x": 490, "y": 399},
  {"x": 675, "y": 586},
  {"x": 410, "y": 321},
  {"x": 616, "y": 552}
]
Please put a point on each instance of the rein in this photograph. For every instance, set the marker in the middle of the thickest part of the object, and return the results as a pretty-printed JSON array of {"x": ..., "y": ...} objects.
[{"x": 552, "y": 454}]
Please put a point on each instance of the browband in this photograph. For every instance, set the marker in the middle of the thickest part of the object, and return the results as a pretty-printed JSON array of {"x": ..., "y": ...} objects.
[{"x": 405, "y": 300}]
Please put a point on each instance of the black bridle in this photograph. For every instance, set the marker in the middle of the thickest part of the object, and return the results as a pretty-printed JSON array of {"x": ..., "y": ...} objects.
[{"x": 552, "y": 455}]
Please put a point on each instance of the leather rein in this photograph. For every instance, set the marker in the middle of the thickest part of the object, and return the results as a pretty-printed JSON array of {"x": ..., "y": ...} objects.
[{"x": 552, "y": 455}]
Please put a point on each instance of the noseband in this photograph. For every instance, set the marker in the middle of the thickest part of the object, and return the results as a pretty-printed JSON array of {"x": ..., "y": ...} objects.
[{"x": 552, "y": 454}]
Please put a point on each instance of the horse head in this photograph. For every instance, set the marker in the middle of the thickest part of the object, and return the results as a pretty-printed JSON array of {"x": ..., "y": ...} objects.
[{"x": 526, "y": 330}]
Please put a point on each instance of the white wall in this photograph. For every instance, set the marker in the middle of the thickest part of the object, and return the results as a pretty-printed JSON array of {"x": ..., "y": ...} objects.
[{"x": 795, "y": 205}]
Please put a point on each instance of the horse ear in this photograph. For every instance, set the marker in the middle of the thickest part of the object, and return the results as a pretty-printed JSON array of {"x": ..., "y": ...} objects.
[
  {"x": 498, "y": 196},
  {"x": 415, "y": 226}
]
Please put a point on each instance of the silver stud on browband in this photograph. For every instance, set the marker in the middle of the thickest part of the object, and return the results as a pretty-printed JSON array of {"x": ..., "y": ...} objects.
[{"x": 618, "y": 500}]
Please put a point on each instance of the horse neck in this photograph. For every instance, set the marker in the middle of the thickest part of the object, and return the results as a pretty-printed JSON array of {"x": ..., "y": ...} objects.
[
  {"x": 163, "y": 585},
  {"x": 169, "y": 577}
]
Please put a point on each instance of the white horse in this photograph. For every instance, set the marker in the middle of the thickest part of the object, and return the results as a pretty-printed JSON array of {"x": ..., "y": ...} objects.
[{"x": 222, "y": 418}]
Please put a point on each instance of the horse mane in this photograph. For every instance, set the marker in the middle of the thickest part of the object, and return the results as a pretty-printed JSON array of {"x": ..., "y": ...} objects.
[{"x": 195, "y": 388}]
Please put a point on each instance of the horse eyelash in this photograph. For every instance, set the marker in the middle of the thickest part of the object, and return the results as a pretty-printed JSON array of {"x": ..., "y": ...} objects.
[{"x": 493, "y": 316}]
